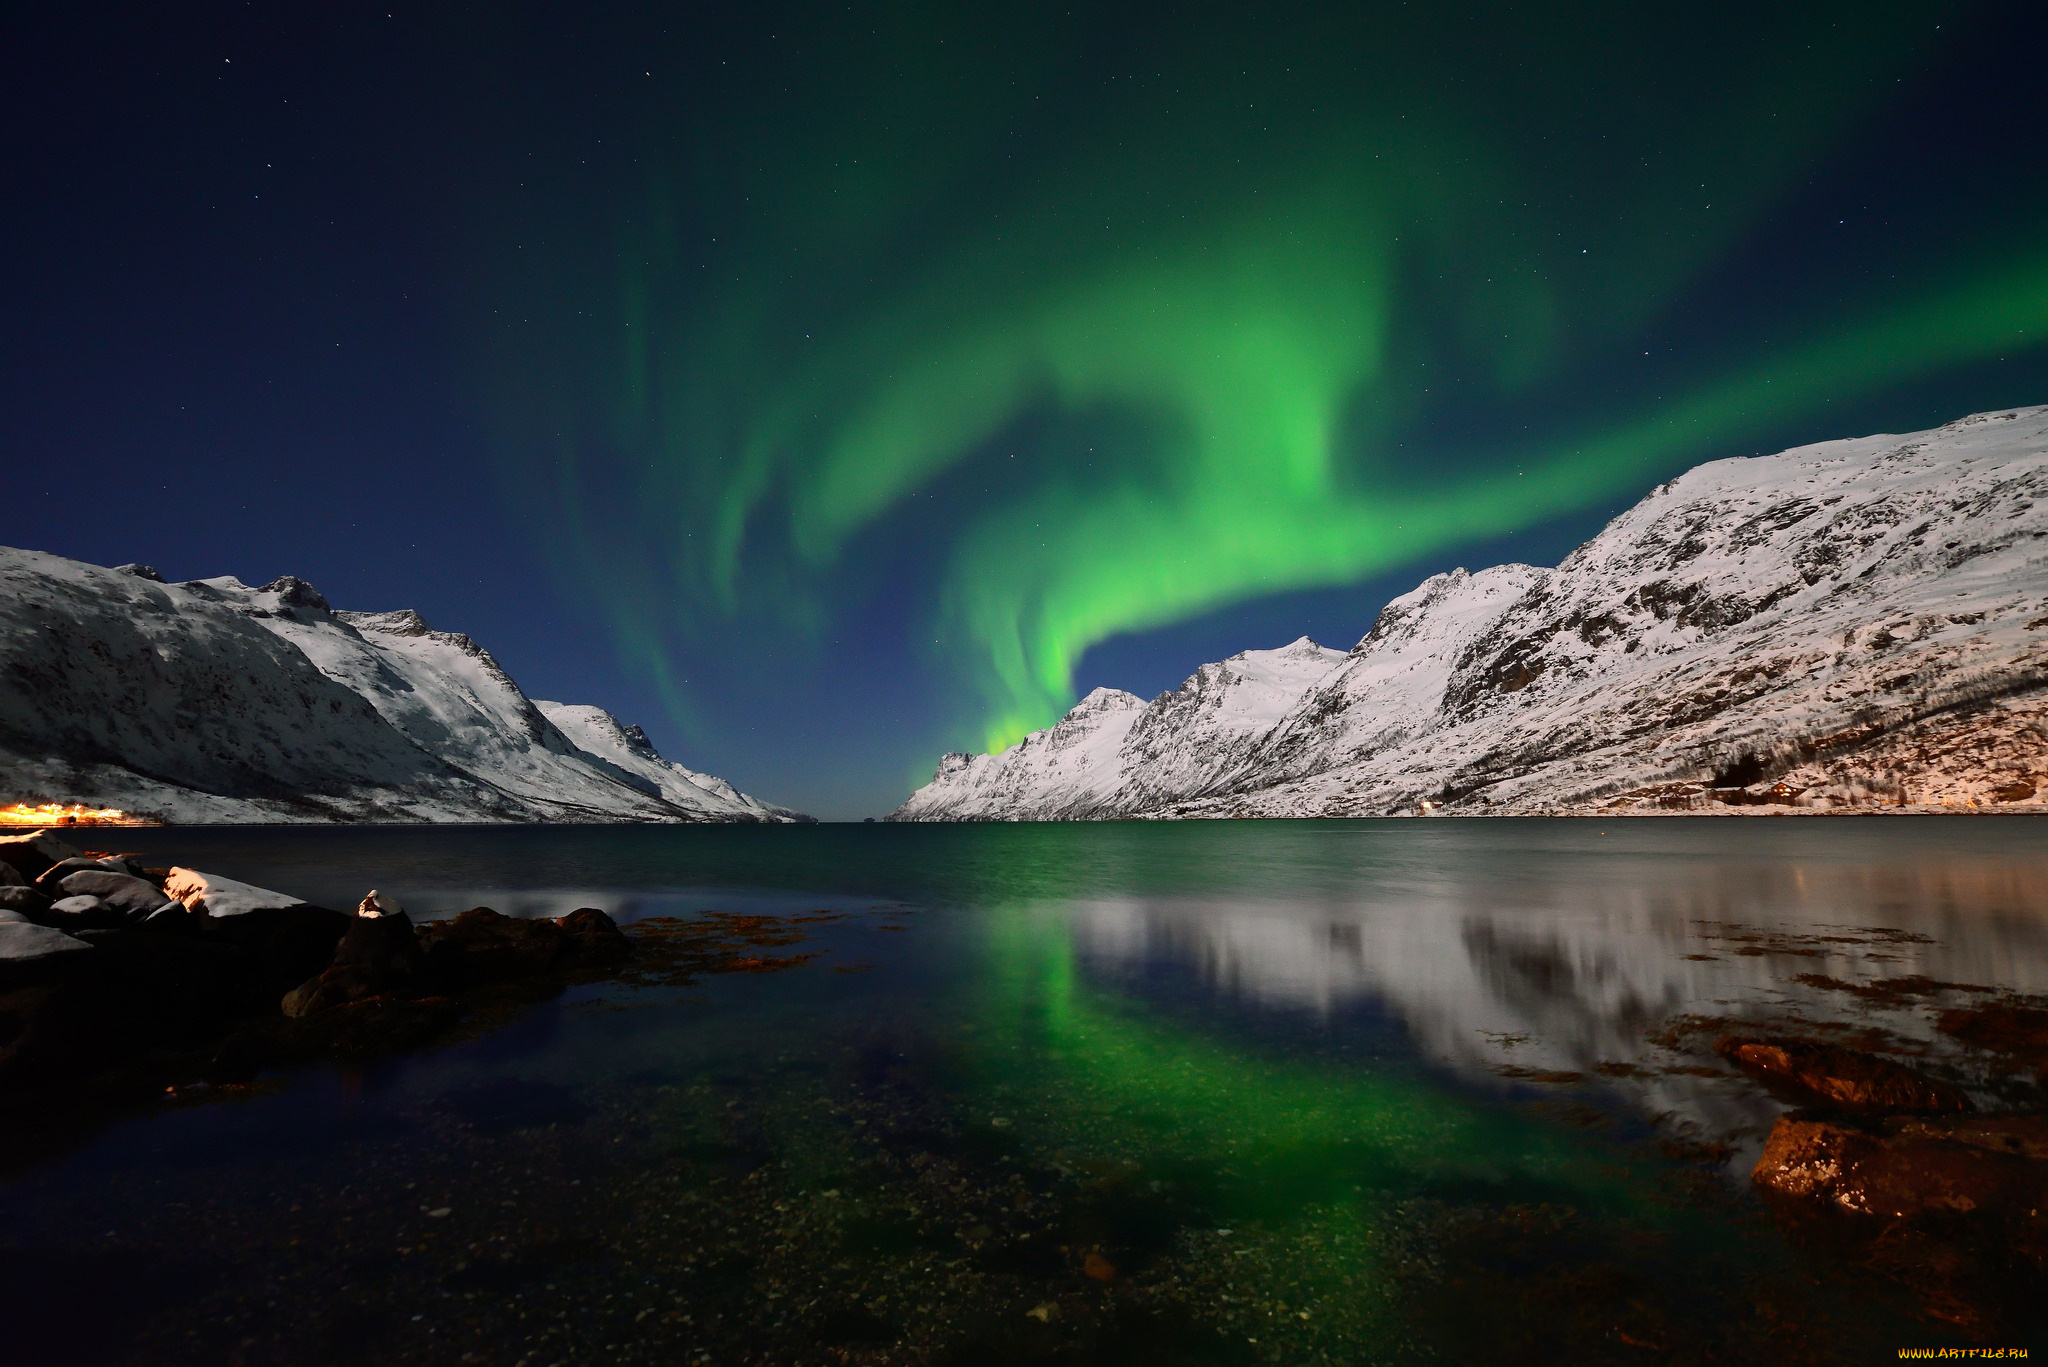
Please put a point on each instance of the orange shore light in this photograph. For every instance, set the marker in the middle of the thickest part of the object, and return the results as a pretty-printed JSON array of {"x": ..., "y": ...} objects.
[{"x": 65, "y": 814}]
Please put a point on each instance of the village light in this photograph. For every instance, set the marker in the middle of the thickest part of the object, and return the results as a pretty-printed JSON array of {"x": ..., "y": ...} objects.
[{"x": 63, "y": 814}]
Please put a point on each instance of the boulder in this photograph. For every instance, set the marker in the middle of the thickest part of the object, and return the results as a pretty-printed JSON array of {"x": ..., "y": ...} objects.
[
  {"x": 483, "y": 946},
  {"x": 1844, "y": 1078},
  {"x": 131, "y": 896},
  {"x": 377, "y": 956},
  {"x": 384, "y": 944},
  {"x": 50, "y": 878},
  {"x": 23, "y": 942},
  {"x": 83, "y": 912},
  {"x": 31, "y": 853},
  {"x": 170, "y": 914},
  {"x": 10, "y": 876},
  {"x": 45, "y": 982},
  {"x": 289, "y": 944},
  {"x": 594, "y": 939},
  {"x": 209, "y": 894},
  {"x": 1925, "y": 1168},
  {"x": 14, "y": 917},
  {"x": 376, "y": 904},
  {"x": 25, "y": 900}
]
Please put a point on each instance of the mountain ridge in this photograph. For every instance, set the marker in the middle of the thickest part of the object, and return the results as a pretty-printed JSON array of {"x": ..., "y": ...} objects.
[
  {"x": 212, "y": 700},
  {"x": 1864, "y": 621}
]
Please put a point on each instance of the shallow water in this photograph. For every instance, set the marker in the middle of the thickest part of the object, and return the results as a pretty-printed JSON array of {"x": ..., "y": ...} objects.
[{"x": 1203, "y": 1092}]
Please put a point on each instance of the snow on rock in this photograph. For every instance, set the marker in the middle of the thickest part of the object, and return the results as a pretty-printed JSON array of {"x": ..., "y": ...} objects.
[
  {"x": 214, "y": 701},
  {"x": 1065, "y": 772},
  {"x": 1115, "y": 754},
  {"x": 1863, "y": 621},
  {"x": 1188, "y": 741},
  {"x": 31, "y": 853},
  {"x": 1390, "y": 687},
  {"x": 209, "y": 894}
]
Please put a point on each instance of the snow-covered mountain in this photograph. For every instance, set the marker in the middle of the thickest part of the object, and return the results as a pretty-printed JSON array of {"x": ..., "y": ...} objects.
[
  {"x": 1864, "y": 621},
  {"x": 597, "y": 732},
  {"x": 215, "y": 701},
  {"x": 1114, "y": 753}
]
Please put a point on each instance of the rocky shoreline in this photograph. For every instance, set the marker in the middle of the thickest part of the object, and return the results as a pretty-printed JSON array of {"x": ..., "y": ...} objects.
[
  {"x": 119, "y": 981},
  {"x": 1902, "y": 1173}
]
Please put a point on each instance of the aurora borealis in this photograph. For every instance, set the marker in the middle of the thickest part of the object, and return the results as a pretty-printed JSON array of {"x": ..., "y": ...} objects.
[{"x": 866, "y": 377}]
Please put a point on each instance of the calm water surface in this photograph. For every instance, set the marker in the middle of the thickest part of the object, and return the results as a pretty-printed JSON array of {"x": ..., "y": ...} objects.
[{"x": 1206, "y": 1092}]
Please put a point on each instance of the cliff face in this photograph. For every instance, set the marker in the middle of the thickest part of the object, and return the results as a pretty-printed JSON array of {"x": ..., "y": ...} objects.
[
  {"x": 214, "y": 701},
  {"x": 1862, "y": 622}
]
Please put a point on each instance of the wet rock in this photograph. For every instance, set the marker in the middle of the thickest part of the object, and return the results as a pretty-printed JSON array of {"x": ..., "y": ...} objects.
[
  {"x": 132, "y": 897},
  {"x": 483, "y": 946},
  {"x": 594, "y": 939},
  {"x": 1920, "y": 1170},
  {"x": 1844, "y": 1078},
  {"x": 350, "y": 1031},
  {"x": 378, "y": 956},
  {"x": 2023, "y": 1136},
  {"x": 32, "y": 853},
  {"x": 2018, "y": 1033},
  {"x": 372, "y": 1029}
]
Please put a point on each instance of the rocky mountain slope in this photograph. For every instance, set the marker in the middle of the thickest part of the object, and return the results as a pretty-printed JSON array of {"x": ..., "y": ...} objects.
[
  {"x": 597, "y": 732},
  {"x": 214, "y": 701},
  {"x": 1853, "y": 624}
]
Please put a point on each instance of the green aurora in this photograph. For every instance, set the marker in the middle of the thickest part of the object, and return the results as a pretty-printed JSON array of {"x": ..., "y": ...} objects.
[{"x": 1016, "y": 331}]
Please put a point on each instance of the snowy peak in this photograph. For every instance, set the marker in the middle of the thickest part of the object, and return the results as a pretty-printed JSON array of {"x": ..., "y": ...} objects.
[
  {"x": 1066, "y": 770},
  {"x": 294, "y": 592},
  {"x": 1113, "y": 749},
  {"x": 402, "y": 622},
  {"x": 1860, "y": 618},
  {"x": 1392, "y": 684},
  {"x": 1103, "y": 700},
  {"x": 214, "y": 701},
  {"x": 597, "y": 732},
  {"x": 1442, "y": 598}
]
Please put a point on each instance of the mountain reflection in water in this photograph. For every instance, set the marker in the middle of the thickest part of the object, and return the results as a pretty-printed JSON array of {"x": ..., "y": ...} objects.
[{"x": 1518, "y": 961}]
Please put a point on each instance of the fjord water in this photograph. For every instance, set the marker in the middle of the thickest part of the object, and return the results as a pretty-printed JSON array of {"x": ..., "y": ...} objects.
[{"x": 1172, "y": 1092}]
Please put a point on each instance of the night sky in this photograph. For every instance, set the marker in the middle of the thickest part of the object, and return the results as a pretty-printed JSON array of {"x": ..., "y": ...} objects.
[{"x": 828, "y": 386}]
